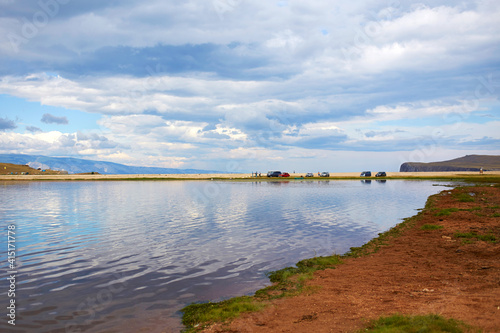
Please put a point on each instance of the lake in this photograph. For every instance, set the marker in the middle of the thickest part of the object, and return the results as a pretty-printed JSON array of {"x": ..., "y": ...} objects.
[{"x": 120, "y": 256}]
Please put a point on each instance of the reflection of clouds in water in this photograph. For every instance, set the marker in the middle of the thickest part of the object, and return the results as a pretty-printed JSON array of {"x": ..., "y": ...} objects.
[{"x": 171, "y": 249}]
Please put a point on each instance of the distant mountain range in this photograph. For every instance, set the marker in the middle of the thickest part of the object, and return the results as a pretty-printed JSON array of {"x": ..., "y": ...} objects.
[
  {"x": 466, "y": 163},
  {"x": 77, "y": 165}
]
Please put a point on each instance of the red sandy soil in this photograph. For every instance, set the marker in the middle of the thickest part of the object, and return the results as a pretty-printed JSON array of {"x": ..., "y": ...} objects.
[{"x": 419, "y": 272}]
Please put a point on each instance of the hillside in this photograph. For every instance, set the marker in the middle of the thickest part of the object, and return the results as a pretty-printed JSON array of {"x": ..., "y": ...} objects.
[
  {"x": 466, "y": 163},
  {"x": 16, "y": 169},
  {"x": 77, "y": 165}
]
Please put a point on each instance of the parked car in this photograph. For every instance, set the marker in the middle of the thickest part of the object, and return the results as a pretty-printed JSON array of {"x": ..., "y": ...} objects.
[
  {"x": 309, "y": 174},
  {"x": 366, "y": 174},
  {"x": 274, "y": 174},
  {"x": 285, "y": 174},
  {"x": 381, "y": 174},
  {"x": 325, "y": 174}
]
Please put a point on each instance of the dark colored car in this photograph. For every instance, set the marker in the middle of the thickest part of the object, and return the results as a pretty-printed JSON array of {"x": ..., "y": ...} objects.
[
  {"x": 309, "y": 174},
  {"x": 381, "y": 174},
  {"x": 285, "y": 174},
  {"x": 274, "y": 174},
  {"x": 366, "y": 174}
]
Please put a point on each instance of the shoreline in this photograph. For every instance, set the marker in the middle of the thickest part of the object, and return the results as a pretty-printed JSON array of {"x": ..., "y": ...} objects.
[
  {"x": 248, "y": 176},
  {"x": 416, "y": 272}
]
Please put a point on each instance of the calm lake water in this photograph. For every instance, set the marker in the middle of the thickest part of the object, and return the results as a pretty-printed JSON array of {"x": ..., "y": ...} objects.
[{"x": 124, "y": 256}]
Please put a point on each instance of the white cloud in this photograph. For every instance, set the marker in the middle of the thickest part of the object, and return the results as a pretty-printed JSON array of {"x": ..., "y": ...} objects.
[
  {"x": 312, "y": 128},
  {"x": 35, "y": 143},
  {"x": 284, "y": 40},
  {"x": 233, "y": 133},
  {"x": 149, "y": 132},
  {"x": 171, "y": 79},
  {"x": 118, "y": 95},
  {"x": 116, "y": 156},
  {"x": 416, "y": 110},
  {"x": 425, "y": 39}
]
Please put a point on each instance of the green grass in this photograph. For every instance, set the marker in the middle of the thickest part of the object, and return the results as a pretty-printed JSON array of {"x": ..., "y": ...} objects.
[
  {"x": 464, "y": 197},
  {"x": 286, "y": 282},
  {"x": 417, "y": 324},
  {"x": 303, "y": 267},
  {"x": 196, "y": 315},
  {"x": 446, "y": 211},
  {"x": 473, "y": 209},
  {"x": 431, "y": 227},
  {"x": 472, "y": 235},
  {"x": 290, "y": 281},
  {"x": 494, "y": 208}
]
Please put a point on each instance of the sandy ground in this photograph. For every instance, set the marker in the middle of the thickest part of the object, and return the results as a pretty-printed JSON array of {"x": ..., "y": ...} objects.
[
  {"x": 419, "y": 272},
  {"x": 234, "y": 176}
]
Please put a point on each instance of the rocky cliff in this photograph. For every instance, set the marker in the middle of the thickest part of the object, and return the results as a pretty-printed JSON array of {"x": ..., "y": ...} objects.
[{"x": 466, "y": 163}]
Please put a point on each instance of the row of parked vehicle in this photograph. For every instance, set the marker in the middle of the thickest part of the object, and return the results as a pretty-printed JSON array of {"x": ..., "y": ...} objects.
[
  {"x": 369, "y": 174},
  {"x": 323, "y": 174},
  {"x": 278, "y": 174}
]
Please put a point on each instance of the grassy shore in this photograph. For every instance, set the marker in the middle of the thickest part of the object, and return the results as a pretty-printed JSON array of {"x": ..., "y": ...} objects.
[
  {"x": 289, "y": 281},
  {"x": 292, "y": 281}
]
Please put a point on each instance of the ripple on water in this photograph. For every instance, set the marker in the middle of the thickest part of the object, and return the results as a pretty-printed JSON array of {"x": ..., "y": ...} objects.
[{"x": 105, "y": 255}]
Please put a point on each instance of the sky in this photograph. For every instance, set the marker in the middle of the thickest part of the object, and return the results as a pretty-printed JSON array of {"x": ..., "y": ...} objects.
[{"x": 240, "y": 86}]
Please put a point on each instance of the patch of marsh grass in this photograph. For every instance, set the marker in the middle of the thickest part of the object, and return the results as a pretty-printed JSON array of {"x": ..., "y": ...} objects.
[
  {"x": 286, "y": 282},
  {"x": 431, "y": 227},
  {"x": 446, "y": 211},
  {"x": 473, "y": 209},
  {"x": 472, "y": 236},
  {"x": 422, "y": 324},
  {"x": 465, "y": 197},
  {"x": 290, "y": 280},
  {"x": 196, "y": 316}
]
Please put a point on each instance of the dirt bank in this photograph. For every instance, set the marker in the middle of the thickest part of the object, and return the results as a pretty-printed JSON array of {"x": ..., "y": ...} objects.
[{"x": 420, "y": 272}]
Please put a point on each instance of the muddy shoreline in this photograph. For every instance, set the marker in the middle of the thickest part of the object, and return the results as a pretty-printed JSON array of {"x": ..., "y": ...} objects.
[{"x": 452, "y": 269}]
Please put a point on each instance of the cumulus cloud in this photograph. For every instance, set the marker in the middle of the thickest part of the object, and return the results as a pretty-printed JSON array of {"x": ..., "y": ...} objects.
[
  {"x": 50, "y": 119},
  {"x": 176, "y": 80},
  {"x": 30, "y": 143},
  {"x": 58, "y": 143}
]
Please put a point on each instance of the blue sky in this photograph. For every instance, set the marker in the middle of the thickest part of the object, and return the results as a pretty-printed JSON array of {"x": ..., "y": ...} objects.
[{"x": 237, "y": 85}]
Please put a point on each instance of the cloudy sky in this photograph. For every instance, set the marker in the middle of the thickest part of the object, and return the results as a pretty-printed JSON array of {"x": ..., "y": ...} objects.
[{"x": 239, "y": 85}]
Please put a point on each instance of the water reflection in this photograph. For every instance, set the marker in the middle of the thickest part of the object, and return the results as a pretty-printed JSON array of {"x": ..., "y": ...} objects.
[{"x": 103, "y": 256}]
